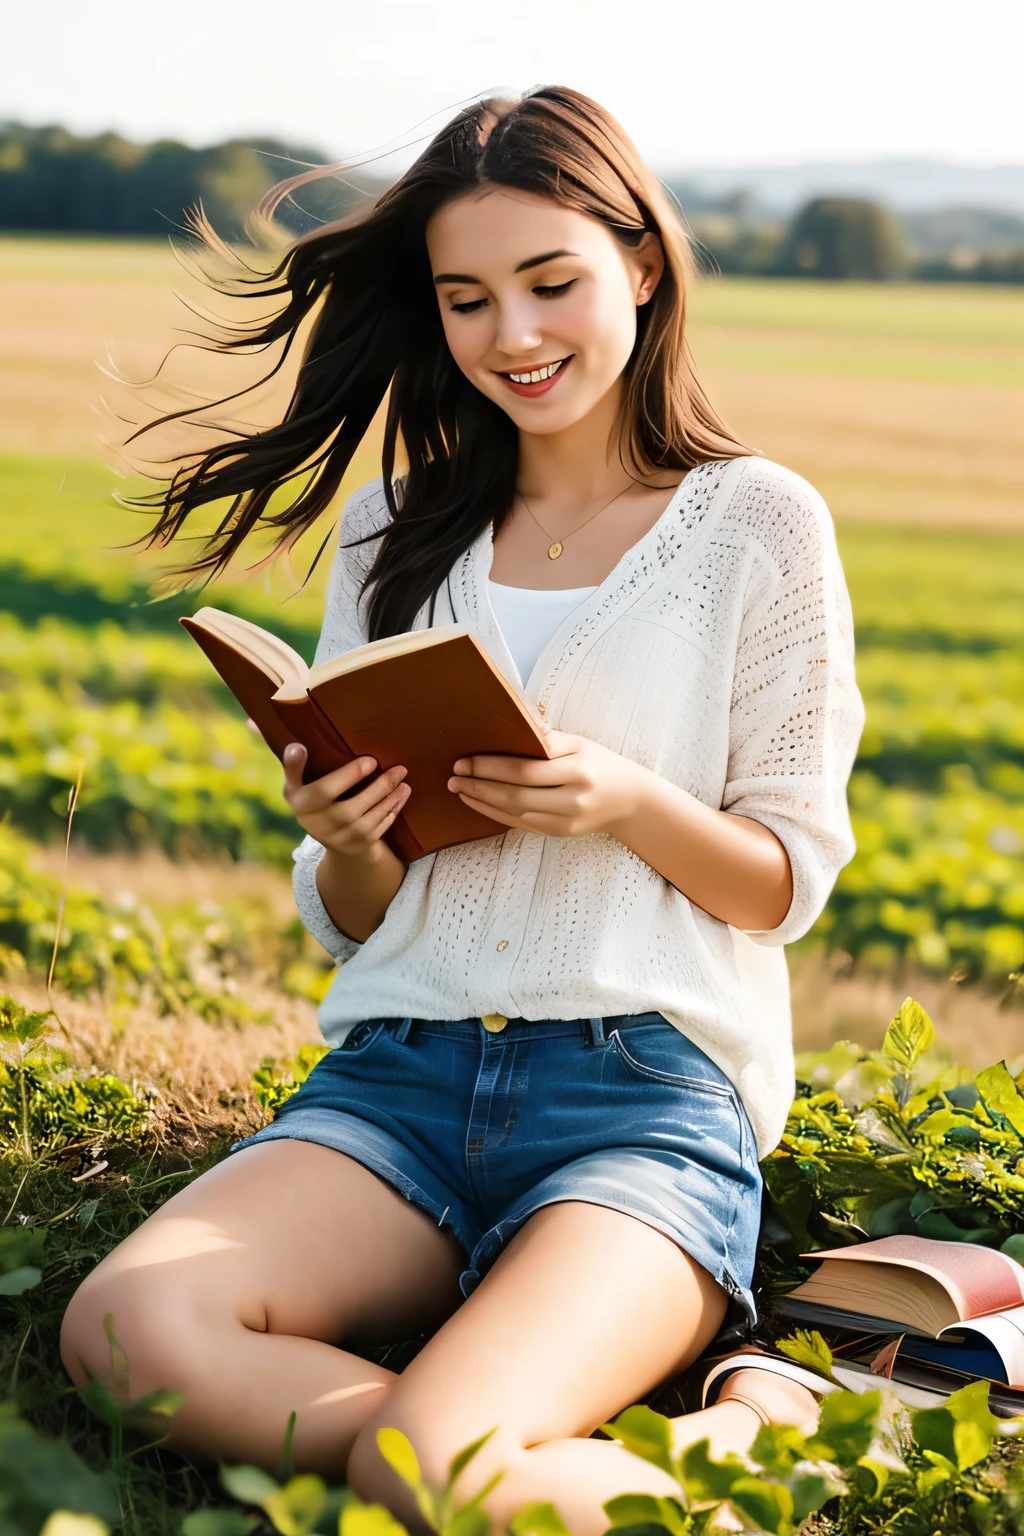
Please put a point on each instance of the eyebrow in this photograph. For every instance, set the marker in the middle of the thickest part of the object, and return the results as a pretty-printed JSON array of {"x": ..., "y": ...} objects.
[{"x": 524, "y": 266}]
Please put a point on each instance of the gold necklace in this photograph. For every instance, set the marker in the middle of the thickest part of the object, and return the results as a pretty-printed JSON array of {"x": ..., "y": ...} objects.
[{"x": 555, "y": 549}]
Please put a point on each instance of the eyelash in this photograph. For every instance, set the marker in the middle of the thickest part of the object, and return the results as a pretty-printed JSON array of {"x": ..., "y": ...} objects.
[{"x": 548, "y": 290}]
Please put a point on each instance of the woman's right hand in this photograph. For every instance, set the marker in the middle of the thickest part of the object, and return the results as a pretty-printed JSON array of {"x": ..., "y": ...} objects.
[{"x": 351, "y": 827}]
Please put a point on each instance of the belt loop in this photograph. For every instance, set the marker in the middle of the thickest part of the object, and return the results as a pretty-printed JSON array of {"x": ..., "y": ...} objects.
[
  {"x": 401, "y": 1034},
  {"x": 595, "y": 1029}
]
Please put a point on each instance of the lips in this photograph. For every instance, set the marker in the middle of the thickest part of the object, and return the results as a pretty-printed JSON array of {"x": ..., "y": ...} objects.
[{"x": 541, "y": 387}]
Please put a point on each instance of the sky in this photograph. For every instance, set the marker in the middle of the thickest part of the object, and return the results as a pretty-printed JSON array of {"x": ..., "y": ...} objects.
[{"x": 694, "y": 82}]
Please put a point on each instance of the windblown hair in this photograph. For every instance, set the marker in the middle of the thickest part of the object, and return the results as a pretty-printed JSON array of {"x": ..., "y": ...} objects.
[{"x": 379, "y": 326}]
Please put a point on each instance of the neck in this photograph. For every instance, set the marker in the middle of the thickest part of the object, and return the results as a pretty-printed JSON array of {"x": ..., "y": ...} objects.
[{"x": 578, "y": 464}]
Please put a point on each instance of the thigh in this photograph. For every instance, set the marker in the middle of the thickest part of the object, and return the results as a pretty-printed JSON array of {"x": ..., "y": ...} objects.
[
  {"x": 584, "y": 1311},
  {"x": 291, "y": 1237}
]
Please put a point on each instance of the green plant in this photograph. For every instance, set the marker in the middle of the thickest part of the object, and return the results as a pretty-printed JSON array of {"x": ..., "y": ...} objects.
[{"x": 879, "y": 1142}]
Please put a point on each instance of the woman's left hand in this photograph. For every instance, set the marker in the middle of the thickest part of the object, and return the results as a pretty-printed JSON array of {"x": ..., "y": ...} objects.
[{"x": 585, "y": 788}]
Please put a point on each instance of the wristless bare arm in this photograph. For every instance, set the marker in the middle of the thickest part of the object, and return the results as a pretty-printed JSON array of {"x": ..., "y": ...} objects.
[{"x": 358, "y": 874}]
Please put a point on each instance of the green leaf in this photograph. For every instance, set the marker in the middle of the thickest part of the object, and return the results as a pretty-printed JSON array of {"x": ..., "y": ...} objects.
[
  {"x": 646, "y": 1434},
  {"x": 165, "y": 1401},
  {"x": 878, "y": 1470},
  {"x": 975, "y": 1428},
  {"x": 17, "y": 1281},
  {"x": 249, "y": 1485},
  {"x": 1001, "y": 1096},
  {"x": 217, "y": 1522},
  {"x": 648, "y": 1512},
  {"x": 807, "y": 1347},
  {"x": 295, "y": 1508},
  {"x": 962, "y": 1431},
  {"x": 909, "y": 1035},
  {"x": 400, "y": 1456},
  {"x": 777, "y": 1448},
  {"x": 397, "y": 1451},
  {"x": 462, "y": 1458},
  {"x": 369, "y": 1520},
  {"x": 471, "y": 1520},
  {"x": 846, "y": 1427},
  {"x": 99, "y": 1401},
  {"x": 63, "y": 1523},
  {"x": 540, "y": 1519},
  {"x": 769, "y": 1505},
  {"x": 118, "y": 1359},
  {"x": 704, "y": 1479},
  {"x": 810, "y": 1492}
]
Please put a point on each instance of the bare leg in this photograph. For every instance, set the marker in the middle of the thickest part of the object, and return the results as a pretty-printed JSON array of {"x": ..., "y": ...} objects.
[
  {"x": 238, "y": 1289},
  {"x": 585, "y": 1310}
]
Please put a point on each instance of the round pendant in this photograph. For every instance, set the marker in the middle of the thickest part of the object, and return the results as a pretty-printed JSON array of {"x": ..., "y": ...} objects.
[{"x": 555, "y": 550}]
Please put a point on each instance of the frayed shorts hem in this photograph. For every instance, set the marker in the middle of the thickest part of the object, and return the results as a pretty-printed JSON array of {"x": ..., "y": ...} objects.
[{"x": 574, "y": 1181}]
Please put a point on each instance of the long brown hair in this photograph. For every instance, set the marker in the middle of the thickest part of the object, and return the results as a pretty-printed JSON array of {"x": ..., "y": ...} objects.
[{"x": 379, "y": 326}]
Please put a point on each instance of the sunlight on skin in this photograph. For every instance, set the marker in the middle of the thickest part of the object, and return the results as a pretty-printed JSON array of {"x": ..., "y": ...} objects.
[{"x": 169, "y": 1242}]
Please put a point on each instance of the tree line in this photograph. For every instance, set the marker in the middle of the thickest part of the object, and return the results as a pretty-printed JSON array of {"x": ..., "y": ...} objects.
[{"x": 53, "y": 180}]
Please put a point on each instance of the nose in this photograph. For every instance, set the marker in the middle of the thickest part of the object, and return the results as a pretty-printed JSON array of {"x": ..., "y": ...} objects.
[{"x": 518, "y": 332}]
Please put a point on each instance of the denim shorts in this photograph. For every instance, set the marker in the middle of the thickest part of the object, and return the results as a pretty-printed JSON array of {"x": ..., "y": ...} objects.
[{"x": 481, "y": 1129}]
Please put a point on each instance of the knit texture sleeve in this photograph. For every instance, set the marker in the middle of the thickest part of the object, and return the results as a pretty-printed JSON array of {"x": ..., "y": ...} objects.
[
  {"x": 796, "y": 714},
  {"x": 344, "y": 628}
]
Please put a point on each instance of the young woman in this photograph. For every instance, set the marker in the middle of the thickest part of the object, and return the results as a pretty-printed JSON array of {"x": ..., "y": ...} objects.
[{"x": 560, "y": 1050}]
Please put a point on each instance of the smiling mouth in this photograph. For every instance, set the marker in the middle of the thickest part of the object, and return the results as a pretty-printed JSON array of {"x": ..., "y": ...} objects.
[{"x": 534, "y": 379}]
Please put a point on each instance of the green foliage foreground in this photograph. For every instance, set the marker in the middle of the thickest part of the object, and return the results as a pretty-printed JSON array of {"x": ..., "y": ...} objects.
[{"x": 889, "y": 1127}]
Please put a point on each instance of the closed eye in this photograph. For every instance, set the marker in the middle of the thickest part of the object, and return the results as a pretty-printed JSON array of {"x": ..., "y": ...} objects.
[
  {"x": 551, "y": 290},
  {"x": 468, "y": 307}
]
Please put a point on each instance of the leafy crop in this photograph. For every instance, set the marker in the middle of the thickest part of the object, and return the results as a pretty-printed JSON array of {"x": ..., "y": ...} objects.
[
  {"x": 186, "y": 956},
  {"x": 888, "y": 1141}
]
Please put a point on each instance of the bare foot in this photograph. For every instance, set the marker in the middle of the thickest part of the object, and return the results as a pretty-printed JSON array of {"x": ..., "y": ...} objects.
[{"x": 784, "y": 1401}]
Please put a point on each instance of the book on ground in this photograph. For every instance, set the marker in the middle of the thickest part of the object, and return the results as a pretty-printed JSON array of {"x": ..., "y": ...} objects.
[
  {"x": 424, "y": 698},
  {"x": 958, "y": 1306}
]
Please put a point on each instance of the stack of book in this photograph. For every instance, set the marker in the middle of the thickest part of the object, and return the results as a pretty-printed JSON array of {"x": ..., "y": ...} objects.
[{"x": 916, "y": 1311}]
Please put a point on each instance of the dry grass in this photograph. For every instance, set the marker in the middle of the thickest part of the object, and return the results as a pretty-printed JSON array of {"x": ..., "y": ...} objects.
[{"x": 830, "y": 1004}]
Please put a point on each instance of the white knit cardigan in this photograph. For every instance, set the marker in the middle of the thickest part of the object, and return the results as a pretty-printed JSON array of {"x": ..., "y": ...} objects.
[{"x": 719, "y": 653}]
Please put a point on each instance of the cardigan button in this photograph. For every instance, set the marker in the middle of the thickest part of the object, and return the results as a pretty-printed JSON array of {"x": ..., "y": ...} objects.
[{"x": 501, "y": 944}]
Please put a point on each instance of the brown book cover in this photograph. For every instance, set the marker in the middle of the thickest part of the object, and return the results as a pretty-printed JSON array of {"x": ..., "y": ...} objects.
[{"x": 423, "y": 698}]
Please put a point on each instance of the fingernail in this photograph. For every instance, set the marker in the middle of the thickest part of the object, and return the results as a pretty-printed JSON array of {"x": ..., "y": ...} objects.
[{"x": 460, "y": 766}]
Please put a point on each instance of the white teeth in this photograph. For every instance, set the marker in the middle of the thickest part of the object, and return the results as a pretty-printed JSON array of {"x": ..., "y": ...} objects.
[{"x": 537, "y": 374}]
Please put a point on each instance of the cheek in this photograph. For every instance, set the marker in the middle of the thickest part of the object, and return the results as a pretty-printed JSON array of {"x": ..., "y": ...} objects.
[
  {"x": 466, "y": 343},
  {"x": 604, "y": 325}
]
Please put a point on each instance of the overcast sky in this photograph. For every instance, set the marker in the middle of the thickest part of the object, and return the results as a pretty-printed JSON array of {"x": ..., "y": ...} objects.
[{"x": 695, "y": 82}]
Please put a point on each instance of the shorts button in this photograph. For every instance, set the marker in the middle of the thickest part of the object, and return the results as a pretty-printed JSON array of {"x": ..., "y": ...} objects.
[
  {"x": 493, "y": 1022},
  {"x": 501, "y": 944}
]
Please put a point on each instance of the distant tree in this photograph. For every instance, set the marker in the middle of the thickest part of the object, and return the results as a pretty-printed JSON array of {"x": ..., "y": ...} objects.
[
  {"x": 52, "y": 180},
  {"x": 844, "y": 237}
]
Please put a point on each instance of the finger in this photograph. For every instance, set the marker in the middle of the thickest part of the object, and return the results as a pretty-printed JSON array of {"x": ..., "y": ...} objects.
[
  {"x": 529, "y": 821},
  {"x": 370, "y": 797},
  {"x": 558, "y": 800},
  {"x": 294, "y": 761},
  {"x": 513, "y": 770},
  {"x": 380, "y": 817}
]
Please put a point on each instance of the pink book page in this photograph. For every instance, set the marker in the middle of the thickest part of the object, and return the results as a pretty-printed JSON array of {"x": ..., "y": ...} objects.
[{"x": 979, "y": 1280}]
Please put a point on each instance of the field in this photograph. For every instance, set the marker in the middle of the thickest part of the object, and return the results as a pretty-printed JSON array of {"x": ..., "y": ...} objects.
[{"x": 183, "y": 988}]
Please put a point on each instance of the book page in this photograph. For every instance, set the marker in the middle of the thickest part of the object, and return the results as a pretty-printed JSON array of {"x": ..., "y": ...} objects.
[
  {"x": 1005, "y": 1332},
  {"x": 979, "y": 1280}
]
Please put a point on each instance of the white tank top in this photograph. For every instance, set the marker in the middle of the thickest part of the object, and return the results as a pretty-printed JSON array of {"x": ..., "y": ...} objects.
[{"x": 528, "y": 617}]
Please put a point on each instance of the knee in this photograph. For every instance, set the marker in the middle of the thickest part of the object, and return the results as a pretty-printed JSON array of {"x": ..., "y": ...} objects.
[{"x": 151, "y": 1328}]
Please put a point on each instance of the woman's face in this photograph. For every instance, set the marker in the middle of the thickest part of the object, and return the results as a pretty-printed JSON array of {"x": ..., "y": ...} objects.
[{"x": 527, "y": 287}]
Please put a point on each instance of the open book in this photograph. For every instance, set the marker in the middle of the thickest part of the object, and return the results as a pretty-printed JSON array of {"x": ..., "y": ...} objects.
[
  {"x": 423, "y": 699},
  {"x": 958, "y": 1306}
]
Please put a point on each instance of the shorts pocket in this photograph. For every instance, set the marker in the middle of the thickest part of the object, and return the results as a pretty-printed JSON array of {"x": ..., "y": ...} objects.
[
  {"x": 663, "y": 1054},
  {"x": 359, "y": 1038}
]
